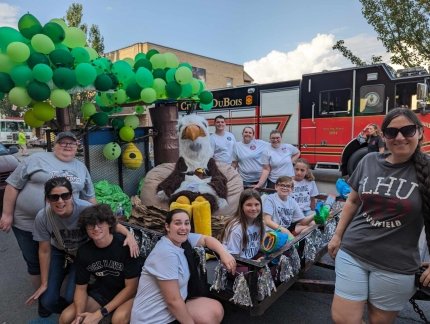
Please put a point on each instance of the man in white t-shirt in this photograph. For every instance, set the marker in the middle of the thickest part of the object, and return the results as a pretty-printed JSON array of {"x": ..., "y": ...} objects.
[{"x": 222, "y": 141}]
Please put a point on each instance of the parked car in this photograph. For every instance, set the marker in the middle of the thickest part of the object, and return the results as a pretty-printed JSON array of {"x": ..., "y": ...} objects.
[{"x": 8, "y": 163}]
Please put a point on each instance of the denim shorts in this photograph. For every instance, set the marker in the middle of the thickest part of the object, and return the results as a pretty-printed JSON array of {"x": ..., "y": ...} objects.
[
  {"x": 359, "y": 281},
  {"x": 29, "y": 249}
]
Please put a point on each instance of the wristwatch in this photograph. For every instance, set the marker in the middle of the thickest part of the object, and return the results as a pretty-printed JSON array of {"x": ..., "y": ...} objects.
[{"x": 104, "y": 311}]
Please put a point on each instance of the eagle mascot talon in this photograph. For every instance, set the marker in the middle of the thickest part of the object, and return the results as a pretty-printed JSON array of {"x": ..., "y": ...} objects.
[{"x": 196, "y": 183}]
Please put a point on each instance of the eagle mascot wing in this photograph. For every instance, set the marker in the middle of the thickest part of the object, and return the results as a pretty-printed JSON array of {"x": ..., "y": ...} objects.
[{"x": 195, "y": 173}]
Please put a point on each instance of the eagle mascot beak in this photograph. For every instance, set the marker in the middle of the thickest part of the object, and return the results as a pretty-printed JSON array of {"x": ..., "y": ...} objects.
[{"x": 191, "y": 132}]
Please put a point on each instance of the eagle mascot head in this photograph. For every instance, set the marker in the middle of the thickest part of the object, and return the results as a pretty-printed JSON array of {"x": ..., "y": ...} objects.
[{"x": 196, "y": 173}]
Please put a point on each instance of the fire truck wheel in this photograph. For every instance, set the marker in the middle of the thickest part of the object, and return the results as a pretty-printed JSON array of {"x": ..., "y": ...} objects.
[{"x": 355, "y": 158}]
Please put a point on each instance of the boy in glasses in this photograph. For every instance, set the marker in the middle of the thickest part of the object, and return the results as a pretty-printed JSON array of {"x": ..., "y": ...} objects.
[
  {"x": 281, "y": 212},
  {"x": 106, "y": 259}
]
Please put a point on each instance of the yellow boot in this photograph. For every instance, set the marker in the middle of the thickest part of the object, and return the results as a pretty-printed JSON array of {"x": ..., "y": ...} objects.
[
  {"x": 182, "y": 202},
  {"x": 202, "y": 216}
]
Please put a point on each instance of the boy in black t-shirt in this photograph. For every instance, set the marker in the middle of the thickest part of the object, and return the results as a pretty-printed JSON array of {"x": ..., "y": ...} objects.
[{"x": 106, "y": 259}]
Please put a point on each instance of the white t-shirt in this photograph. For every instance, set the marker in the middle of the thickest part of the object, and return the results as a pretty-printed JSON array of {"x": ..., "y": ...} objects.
[
  {"x": 250, "y": 159},
  {"x": 233, "y": 243},
  {"x": 280, "y": 161},
  {"x": 303, "y": 192},
  {"x": 165, "y": 262},
  {"x": 283, "y": 212},
  {"x": 223, "y": 146}
]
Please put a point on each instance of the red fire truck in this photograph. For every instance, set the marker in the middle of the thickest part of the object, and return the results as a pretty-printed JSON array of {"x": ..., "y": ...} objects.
[{"x": 323, "y": 112}]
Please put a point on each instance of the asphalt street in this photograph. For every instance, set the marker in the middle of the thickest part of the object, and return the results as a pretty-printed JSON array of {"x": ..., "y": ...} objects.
[{"x": 292, "y": 307}]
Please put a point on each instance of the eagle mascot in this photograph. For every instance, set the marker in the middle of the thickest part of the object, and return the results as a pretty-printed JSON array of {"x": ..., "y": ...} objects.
[{"x": 196, "y": 184}]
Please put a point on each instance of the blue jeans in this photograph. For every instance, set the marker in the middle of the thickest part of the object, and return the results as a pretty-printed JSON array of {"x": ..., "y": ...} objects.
[
  {"x": 29, "y": 249},
  {"x": 51, "y": 298}
]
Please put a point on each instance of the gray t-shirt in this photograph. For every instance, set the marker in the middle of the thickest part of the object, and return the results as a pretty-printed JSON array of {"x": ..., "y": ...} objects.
[
  {"x": 165, "y": 262},
  {"x": 304, "y": 190},
  {"x": 385, "y": 230},
  {"x": 233, "y": 243},
  {"x": 283, "y": 212},
  {"x": 279, "y": 160},
  {"x": 30, "y": 177},
  {"x": 249, "y": 158},
  {"x": 68, "y": 227},
  {"x": 223, "y": 146}
]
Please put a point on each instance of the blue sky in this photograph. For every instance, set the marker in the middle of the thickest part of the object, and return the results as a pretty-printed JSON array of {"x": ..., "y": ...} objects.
[{"x": 274, "y": 39}]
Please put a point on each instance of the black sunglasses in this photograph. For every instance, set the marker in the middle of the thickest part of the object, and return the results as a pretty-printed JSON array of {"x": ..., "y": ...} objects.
[
  {"x": 407, "y": 131},
  {"x": 63, "y": 196}
]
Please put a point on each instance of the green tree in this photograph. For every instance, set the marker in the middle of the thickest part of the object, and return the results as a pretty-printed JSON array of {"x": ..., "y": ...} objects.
[
  {"x": 6, "y": 109},
  {"x": 96, "y": 40},
  {"x": 402, "y": 26}
]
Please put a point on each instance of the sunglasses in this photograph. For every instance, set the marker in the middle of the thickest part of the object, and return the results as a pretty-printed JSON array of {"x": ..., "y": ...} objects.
[
  {"x": 407, "y": 131},
  {"x": 63, "y": 196}
]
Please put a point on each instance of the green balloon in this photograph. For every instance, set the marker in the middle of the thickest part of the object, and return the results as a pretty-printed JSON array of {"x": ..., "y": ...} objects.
[
  {"x": 62, "y": 58},
  {"x": 100, "y": 119},
  {"x": 139, "y": 110},
  {"x": 106, "y": 99},
  {"x": 107, "y": 110},
  {"x": 117, "y": 123},
  {"x": 159, "y": 86},
  {"x": 187, "y": 90},
  {"x": 148, "y": 95},
  {"x": 143, "y": 62},
  {"x": 38, "y": 91},
  {"x": 60, "y": 22},
  {"x": 64, "y": 78},
  {"x": 151, "y": 52},
  {"x": 88, "y": 109},
  {"x": 171, "y": 60},
  {"x": 61, "y": 46},
  {"x": 158, "y": 61},
  {"x": 2, "y": 95},
  {"x": 29, "y": 26},
  {"x": 42, "y": 44},
  {"x": 117, "y": 110},
  {"x": 123, "y": 71},
  {"x": 43, "y": 111},
  {"x": 80, "y": 55},
  {"x": 31, "y": 120},
  {"x": 103, "y": 82},
  {"x": 6, "y": 82},
  {"x": 129, "y": 61},
  {"x": 206, "y": 107},
  {"x": 18, "y": 96},
  {"x": 37, "y": 58},
  {"x": 60, "y": 98},
  {"x": 92, "y": 53},
  {"x": 133, "y": 91},
  {"x": 6, "y": 64},
  {"x": 21, "y": 75},
  {"x": 144, "y": 77},
  {"x": 183, "y": 75},
  {"x": 112, "y": 151},
  {"x": 159, "y": 73},
  {"x": 195, "y": 84},
  {"x": 170, "y": 75},
  {"x": 85, "y": 74},
  {"x": 102, "y": 65},
  {"x": 206, "y": 97},
  {"x": 173, "y": 90},
  {"x": 126, "y": 133},
  {"x": 42, "y": 72},
  {"x": 120, "y": 96},
  {"x": 186, "y": 64},
  {"x": 9, "y": 35},
  {"x": 131, "y": 121},
  {"x": 139, "y": 56},
  {"x": 74, "y": 37},
  {"x": 18, "y": 52},
  {"x": 54, "y": 31}
]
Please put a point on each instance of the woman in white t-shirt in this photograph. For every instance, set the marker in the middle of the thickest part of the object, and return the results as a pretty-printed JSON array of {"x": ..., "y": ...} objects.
[
  {"x": 163, "y": 286},
  {"x": 243, "y": 232},
  {"x": 278, "y": 159},
  {"x": 247, "y": 157}
]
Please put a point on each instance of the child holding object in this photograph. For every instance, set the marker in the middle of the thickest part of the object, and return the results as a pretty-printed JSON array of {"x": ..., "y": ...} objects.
[
  {"x": 243, "y": 232},
  {"x": 281, "y": 212},
  {"x": 305, "y": 188}
]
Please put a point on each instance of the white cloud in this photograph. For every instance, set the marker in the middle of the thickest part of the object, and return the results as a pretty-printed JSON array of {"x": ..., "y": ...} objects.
[
  {"x": 314, "y": 56},
  {"x": 8, "y": 15}
]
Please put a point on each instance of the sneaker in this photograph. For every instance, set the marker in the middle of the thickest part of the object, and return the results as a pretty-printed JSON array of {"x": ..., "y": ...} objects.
[{"x": 42, "y": 311}]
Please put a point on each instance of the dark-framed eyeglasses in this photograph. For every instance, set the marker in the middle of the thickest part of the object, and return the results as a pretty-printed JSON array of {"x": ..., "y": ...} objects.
[
  {"x": 407, "y": 131},
  {"x": 91, "y": 227},
  {"x": 285, "y": 186},
  {"x": 56, "y": 197},
  {"x": 65, "y": 144}
]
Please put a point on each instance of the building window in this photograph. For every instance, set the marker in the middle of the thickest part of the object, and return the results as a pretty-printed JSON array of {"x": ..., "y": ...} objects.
[
  {"x": 335, "y": 101},
  {"x": 199, "y": 73},
  {"x": 229, "y": 82}
]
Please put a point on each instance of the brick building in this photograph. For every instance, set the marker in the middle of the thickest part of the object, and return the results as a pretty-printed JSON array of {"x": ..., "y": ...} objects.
[{"x": 215, "y": 73}]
